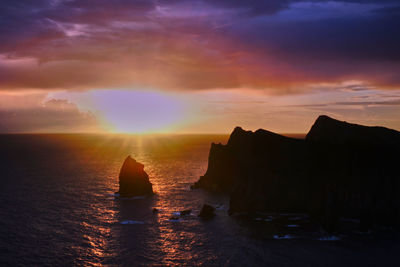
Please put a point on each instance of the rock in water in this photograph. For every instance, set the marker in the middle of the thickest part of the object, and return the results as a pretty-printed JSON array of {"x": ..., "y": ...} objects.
[
  {"x": 185, "y": 212},
  {"x": 207, "y": 212},
  {"x": 133, "y": 180}
]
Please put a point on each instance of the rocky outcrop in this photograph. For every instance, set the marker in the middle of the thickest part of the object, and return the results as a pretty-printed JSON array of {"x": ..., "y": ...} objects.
[
  {"x": 338, "y": 170},
  {"x": 207, "y": 212},
  {"x": 133, "y": 180}
]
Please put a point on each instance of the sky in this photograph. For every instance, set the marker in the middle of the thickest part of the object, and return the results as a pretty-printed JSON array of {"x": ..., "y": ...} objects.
[{"x": 197, "y": 66}]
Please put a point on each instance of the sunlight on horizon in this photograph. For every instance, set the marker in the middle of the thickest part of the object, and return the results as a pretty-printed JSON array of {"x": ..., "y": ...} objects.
[
  {"x": 131, "y": 111},
  {"x": 138, "y": 112}
]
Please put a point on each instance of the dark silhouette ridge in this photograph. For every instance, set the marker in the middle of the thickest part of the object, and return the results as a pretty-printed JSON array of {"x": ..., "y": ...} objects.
[
  {"x": 326, "y": 129},
  {"x": 338, "y": 170},
  {"x": 133, "y": 180}
]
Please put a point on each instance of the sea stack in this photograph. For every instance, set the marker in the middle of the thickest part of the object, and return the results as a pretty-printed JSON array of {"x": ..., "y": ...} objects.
[{"x": 133, "y": 180}]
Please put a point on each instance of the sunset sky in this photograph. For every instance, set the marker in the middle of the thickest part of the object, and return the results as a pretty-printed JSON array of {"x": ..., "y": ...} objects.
[{"x": 197, "y": 66}]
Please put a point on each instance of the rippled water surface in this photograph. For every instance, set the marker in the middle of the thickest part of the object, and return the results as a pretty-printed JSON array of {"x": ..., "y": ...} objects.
[{"x": 57, "y": 208}]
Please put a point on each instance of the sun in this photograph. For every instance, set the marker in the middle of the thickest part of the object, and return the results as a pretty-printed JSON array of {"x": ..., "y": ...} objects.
[{"x": 140, "y": 112}]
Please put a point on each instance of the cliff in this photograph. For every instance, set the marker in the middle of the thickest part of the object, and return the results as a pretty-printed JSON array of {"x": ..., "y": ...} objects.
[{"x": 338, "y": 170}]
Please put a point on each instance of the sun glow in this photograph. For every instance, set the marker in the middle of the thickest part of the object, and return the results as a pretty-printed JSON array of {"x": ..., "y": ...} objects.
[{"x": 138, "y": 111}]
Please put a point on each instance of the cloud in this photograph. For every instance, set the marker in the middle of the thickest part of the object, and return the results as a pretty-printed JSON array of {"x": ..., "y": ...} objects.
[
  {"x": 394, "y": 102},
  {"x": 279, "y": 46},
  {"x": 52, "y": 116},
  {"x": 355, "y": 88}
]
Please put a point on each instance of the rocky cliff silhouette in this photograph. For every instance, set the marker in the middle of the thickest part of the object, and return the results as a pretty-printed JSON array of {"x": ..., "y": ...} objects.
[{"x": 339, "y": 170}]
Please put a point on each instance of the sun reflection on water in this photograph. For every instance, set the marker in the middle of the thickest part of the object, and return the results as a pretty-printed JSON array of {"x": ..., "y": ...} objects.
[{"x": 152, "y": 238}]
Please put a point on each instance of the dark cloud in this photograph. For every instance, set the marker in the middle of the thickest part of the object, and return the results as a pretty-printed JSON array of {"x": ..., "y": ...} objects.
[
  {"x": 253, "y": 7},
  {"x": 364, "y": 48},
  {"x": 389, "y": 10},
  {"x": 256, "y": 7},
  {"x": 368, "y": 38}
]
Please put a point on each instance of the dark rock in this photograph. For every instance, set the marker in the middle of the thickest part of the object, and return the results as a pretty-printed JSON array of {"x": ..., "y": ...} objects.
[
  {"x": 133, "y": 180},
  {"x": 185, "y": 212},
  {"x": 207, "y": 212},
  {"x": 174, "y": 218},
  {"x": 155, "y": 210},
  {"x": 338, "y": 170}
]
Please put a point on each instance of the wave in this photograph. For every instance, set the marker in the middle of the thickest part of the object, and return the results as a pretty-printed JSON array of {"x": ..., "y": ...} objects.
[
  {"x": 131, "y": 222},
  {"x": 329, "y": 238},
  {"x": 283, "y": 237}
]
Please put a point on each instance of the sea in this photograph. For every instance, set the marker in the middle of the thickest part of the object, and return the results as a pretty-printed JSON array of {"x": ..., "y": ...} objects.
[{"x": 58, "y": 208}]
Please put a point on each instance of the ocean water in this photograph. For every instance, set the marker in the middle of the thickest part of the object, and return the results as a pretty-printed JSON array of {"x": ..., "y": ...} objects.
[{"x": 57, "y": 208}]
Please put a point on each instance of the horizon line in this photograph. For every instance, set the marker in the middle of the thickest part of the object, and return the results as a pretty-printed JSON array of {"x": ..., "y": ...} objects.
[{"x": 122, "y": 133}]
